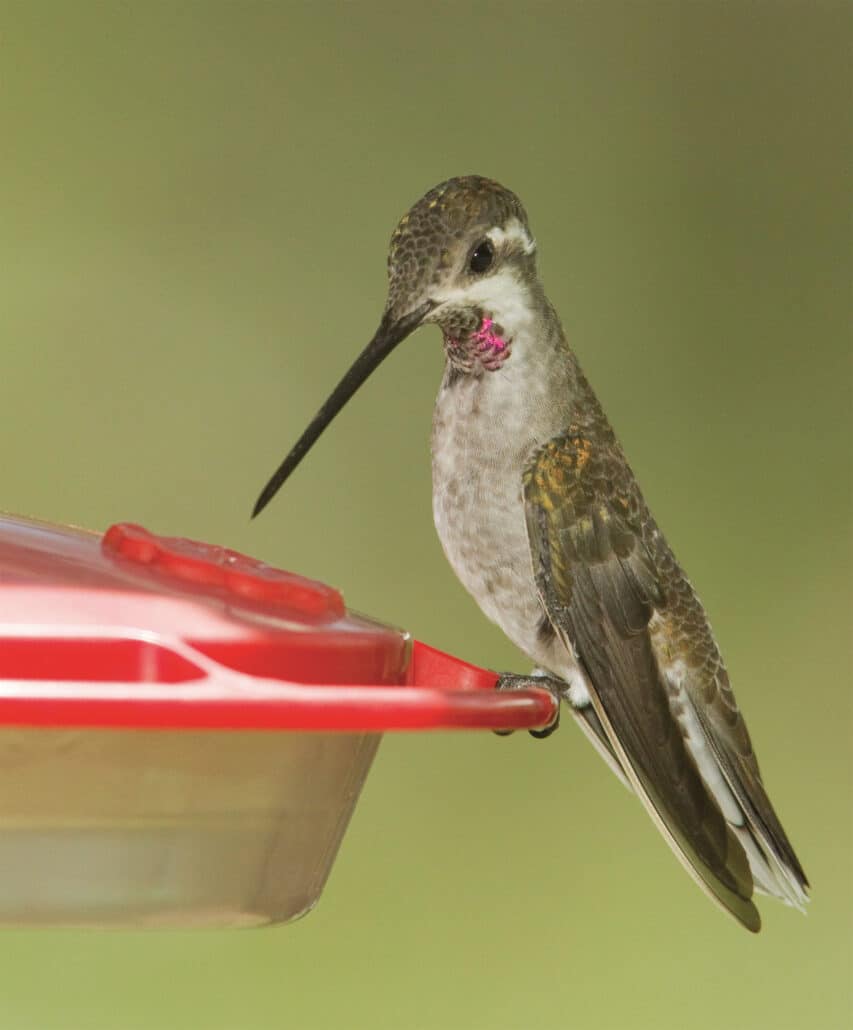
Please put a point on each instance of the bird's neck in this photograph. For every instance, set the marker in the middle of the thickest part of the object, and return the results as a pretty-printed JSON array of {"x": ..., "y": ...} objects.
[{"x": 511, "y": 364}]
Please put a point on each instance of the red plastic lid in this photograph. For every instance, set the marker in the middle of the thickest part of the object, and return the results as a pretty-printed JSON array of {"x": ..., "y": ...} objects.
[
  {"x": 222, "y": 574},
  {"x": 136, "y": 630}
]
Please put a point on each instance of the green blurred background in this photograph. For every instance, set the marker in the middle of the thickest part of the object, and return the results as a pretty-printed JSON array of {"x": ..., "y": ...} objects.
[{"x": 196, "y": 201}]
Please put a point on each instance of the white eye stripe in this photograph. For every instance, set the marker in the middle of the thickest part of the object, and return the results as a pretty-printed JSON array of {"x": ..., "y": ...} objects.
[{"x": 513, "y": 232}]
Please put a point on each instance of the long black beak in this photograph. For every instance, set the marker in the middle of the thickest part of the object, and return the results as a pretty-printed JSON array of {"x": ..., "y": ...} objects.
[{"x": 389, "y": 334}]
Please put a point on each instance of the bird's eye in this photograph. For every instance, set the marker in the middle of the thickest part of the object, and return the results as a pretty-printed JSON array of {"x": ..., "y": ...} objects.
[{"x": 482, "y": 258}]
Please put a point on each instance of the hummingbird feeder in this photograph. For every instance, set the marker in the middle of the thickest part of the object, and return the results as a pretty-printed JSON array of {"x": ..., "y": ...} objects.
[{"x": 185, "y": 731}]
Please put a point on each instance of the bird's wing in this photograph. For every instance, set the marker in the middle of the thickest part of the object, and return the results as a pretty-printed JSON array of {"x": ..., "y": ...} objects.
[
  {"x": 601, "y": 590},
  {"x": 719, "y": 731}
]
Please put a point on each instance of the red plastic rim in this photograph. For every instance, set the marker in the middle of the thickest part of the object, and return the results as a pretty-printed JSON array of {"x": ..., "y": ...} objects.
[{"x": 184, "y": 697}]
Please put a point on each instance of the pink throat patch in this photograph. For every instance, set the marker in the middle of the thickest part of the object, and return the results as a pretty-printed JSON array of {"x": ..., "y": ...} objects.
[
  {"x": 488, "y": 340},
  {"x": 485, "y": 348}
]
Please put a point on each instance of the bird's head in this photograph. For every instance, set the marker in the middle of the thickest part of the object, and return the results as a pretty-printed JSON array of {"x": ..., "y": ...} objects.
[{"x": 462, "y": 258}]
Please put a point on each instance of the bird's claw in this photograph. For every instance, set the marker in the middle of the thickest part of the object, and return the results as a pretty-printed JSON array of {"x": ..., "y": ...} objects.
[{"x": 555, "y": 687}]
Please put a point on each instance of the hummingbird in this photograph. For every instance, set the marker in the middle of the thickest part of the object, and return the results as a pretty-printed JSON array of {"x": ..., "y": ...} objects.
[{"x": 541, "y": 518}]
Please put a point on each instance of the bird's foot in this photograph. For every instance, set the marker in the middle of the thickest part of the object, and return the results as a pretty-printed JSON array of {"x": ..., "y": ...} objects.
[{"x": 556, "y": 688}]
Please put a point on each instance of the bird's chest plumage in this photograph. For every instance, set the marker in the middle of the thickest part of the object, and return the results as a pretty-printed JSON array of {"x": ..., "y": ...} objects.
[{"x": 481, "y": 444}]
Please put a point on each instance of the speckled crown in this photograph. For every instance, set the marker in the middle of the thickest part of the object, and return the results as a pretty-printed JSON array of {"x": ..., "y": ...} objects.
[{"x": 422, "y": 245}]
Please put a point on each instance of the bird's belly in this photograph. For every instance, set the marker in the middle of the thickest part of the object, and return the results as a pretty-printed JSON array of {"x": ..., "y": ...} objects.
[{"x": 479, "y": 515}]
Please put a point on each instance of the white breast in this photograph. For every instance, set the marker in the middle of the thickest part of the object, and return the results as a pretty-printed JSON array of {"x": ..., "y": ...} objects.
[
  {"x": 478, "y": 507},
  {"x": 485, "y": 431}
]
